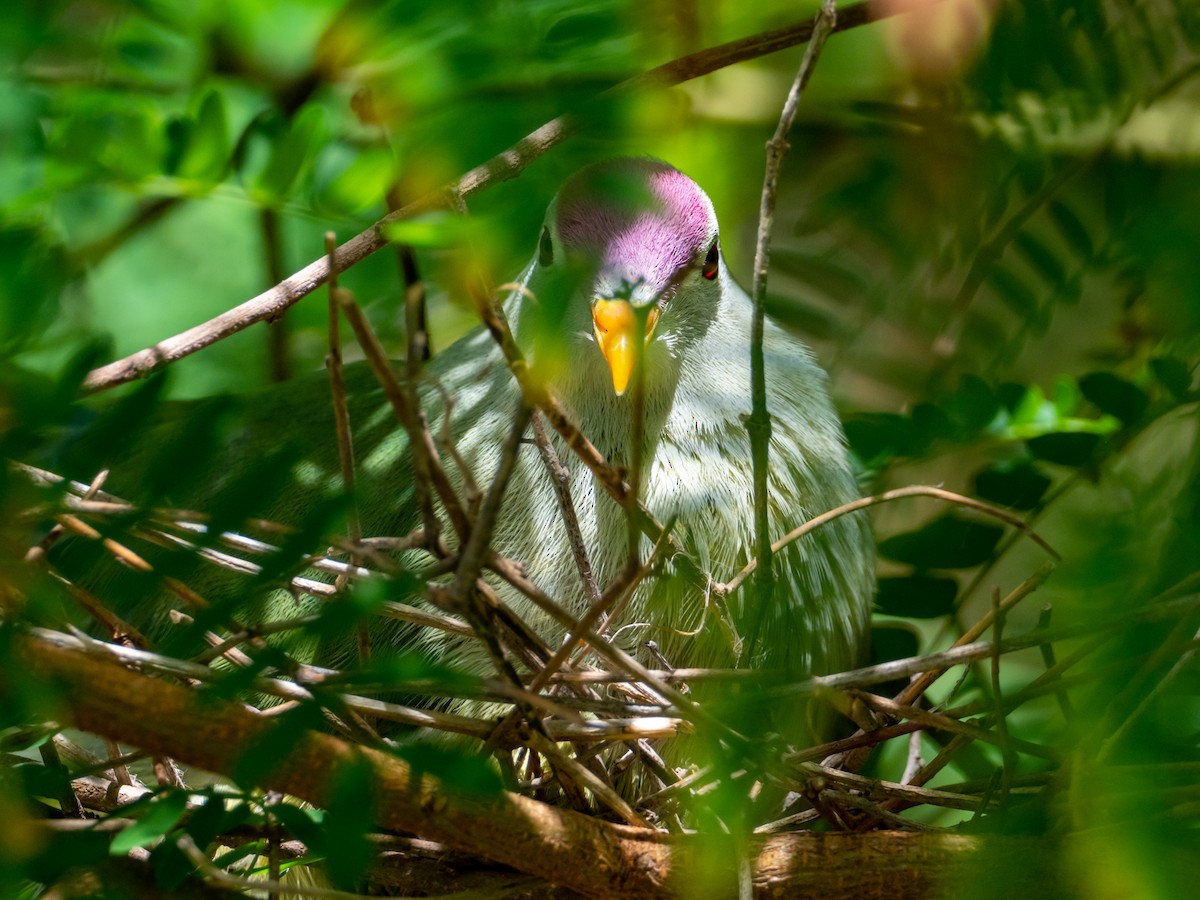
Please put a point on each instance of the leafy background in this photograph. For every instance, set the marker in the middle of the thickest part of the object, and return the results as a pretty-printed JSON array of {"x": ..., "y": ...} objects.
[{"x": 988, "y": 231}]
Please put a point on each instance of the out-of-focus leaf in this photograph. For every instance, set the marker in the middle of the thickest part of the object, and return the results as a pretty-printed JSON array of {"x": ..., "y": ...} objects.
[
  {"x": 1067, "y": 448},
  {"x": 974, "y": 405},
  {"x": 1115, "y": 396},
  {"x": 1173, "y": 374},
  {"x": 35, "y": 273},
  {"x": 1041, "y": 257},
  {"x": 163, "y": 815},
  {"x": 1034, "y": 411},
  {"x": 170, "y": 865},
  {"x": 435, "y": 230},
  {"x": 1011, "y": 396},
  {"x": 1015, "y": 293},
  {"x": 212, "y": 817},
  {"x": 931, "y": 423},
  {"x": 361, "y": 184},
  {"x": 460, "y": 772},
  {"x": 916, "y": 596},
  {"x": 291, "y": 151},
  {"x": 1072, "y": 228},
  {"x": 879, "y": 436},
  {"x": 349, "y": 816},
  {"x": 1018, "y": 486},
  {"x": 260, "y": 758},
  {"x": 303, "y": 822},
  {"x": 1066, "y": 396},
  {"x": 946, "y": 543},
  {"x": 890, "y": 642},
  {"x": 205, "y": 151}
]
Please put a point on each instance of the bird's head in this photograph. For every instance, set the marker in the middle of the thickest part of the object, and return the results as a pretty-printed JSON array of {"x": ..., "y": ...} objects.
[{"x": 633, "y": 246}]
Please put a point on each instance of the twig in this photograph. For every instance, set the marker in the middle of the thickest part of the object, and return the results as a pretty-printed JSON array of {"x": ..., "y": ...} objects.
[
  {"x": 424, "y": 453},
  {"x": 759, "y": 422},
  {"x": 1006, "y": 744},
  {"x": 560, "y": 478},
  {"x": 337, "y": 391},
  {"x": 478, "y": 546},
  {"x": 886, "y": 497}
]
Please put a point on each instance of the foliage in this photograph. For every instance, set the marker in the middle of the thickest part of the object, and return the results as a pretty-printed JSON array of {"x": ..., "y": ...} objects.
[{"x": 987, "y": 229}]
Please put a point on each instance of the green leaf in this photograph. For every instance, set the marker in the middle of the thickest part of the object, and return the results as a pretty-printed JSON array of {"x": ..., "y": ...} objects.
[
  {"x": 930, "y": 423},
  {"x": 1066, "y": 395},
  {"x": 1173, "y": 374},
  {"x": 916, "y": 596},
  {"x": 349, "y": 817},
  {"x": 361, "y": 184},
  {"x": 946, "y": 543},
  {"x": 290, "y": 153},
  {"x": 974, "y": 405},
  {"x": 1018, "y": 486},
  {"x": 171, "y": 867},
  {"x": 164, "y": 814},
  {"x": 260, "y": 758},
  {"x": 876, "y": 437},
  {"x": 1014, "y": 292},
  {"x": 1067, "y": 448},
  {"x": 1033, "y": 413},
  {"x": 205, "y": 153},
  {"x": 1041, "y": 258},
  {"x": 1072, "y": 228},
  {"x": 891, "y": 642},
  {"x": 427, "y": 232},
  {"x": 1115, "y": 396},
  {"x": 459, "y": 772},
  {"x": 303, "y": 823}
]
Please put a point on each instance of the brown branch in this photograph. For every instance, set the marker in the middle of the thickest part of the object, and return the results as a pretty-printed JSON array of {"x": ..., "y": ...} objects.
[
  {"x": 107, "y": 699},
  {"x": 918, "y": 490}
]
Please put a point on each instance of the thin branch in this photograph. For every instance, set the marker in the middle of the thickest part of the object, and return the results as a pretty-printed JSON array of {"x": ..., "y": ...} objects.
[
  {"x": 337, "y": 391},
  {"x": 886, "y": 497},
  {"x": 759, "y": 422}
]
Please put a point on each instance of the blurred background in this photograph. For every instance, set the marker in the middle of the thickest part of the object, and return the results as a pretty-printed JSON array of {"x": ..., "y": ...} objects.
[{"x": 989, "y": 231}]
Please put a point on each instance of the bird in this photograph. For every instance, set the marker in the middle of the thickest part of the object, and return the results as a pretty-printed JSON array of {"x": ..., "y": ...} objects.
[{"x": 627, "y": 286}]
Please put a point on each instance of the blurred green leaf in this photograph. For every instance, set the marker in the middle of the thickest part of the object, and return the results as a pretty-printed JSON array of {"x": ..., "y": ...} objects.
[
  {"x": 290, "y": 152},
  {"x": 362, "y": 184},
  {"x": 1017, "y": 485},
  {"x": 1065, "y": 448},
  {"x": 163, "y": 815},
  {"x": 1041, "y": 258},
  {"x": 877, "y": 437},
  {"x": 1071, "y": 226},
  {"x": 974, "y": 405},
  {"x": 1114, "y": 396},
  {"x": 435, "y": 230},
  {"x": 1066, "y": 396},
  {"x": 349, "y": 817},
  {"x": 458, "y": 771},
  {"x": 303, "y": 822},
  {"x": 950, "y": 542},
  {"x": 916, "y": 596},
  {"x": 203, "y": 151},
  {"x": 890, "y": 642},
  {"x": 1173, "y": 374}
]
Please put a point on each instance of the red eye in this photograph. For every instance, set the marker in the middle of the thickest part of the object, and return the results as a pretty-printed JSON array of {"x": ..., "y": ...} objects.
[{"x": 709, "y": 269}]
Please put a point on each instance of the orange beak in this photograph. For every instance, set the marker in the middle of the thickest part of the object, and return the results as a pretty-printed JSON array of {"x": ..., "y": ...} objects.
[{"x": 616, "y": 326}]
